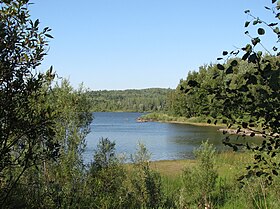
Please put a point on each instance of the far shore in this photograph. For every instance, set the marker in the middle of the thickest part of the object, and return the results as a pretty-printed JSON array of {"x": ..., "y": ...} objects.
[
  {"x": 183, "y": 122},
  {"x": 155, "y": 117}
]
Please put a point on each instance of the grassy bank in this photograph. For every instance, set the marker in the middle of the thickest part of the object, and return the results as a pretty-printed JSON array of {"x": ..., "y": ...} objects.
[
  {"x": 198, "y": 121},
  {"x": 228, "y": 192},
  {"x": 229, "y": 164}
]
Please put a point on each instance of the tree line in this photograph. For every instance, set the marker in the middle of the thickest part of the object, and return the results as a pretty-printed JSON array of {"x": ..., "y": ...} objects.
[
  {"x": 144, "y": 100},
  {"x": 205, "y": 93}
]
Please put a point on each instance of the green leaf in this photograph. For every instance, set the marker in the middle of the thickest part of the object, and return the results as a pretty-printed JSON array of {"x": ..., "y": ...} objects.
[
  {"x": 252, "y": 80},
  {"x": 272, "y": 24},
  {"x": 216, "y": 75},
  {"x": 36, "y": 23},
  {"x": 247, "y": 48},
  {"x": 48, "y": 35},
  {"x": 244, "y": 124},
  {"x": 241, "y": 178},
  {"x": 229, "y": 70},
  {"x": 234, "y": 63},
  {"x": 273, "y": 1},
  {"x": 275, "y": 172},
  {"x": 247, "y": 23},
  {"x": 267, "y": 8},
  {"x": 259, "y": 173},
  {"x": 220, "y": 67},
  {"x": 255, "y": 41},
  {"x": 243, "y": 88},
  {"x": 225, "y": 53},
  {"x": 193, "y": 83},
  {"x": 255, "y": 22},
  {"x": 261, "y": 31},
  {"x": 253, "y": 58},
  {"x": 247, "y": 11},
  {"x": 245, "y": 56}
]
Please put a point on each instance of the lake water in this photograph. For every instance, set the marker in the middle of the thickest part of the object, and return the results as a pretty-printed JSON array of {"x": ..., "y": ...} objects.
[{"x": 164, "y": 141}]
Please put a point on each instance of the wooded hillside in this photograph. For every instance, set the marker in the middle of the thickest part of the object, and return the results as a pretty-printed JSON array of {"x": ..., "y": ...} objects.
[{"x": 144, "y": 100}]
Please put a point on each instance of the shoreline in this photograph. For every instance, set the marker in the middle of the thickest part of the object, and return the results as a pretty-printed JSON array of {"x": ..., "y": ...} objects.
[
  {"x": 174, "y": 120},
  {"x": 220, "y": 127},
  {"x": 182, "y": 122}
]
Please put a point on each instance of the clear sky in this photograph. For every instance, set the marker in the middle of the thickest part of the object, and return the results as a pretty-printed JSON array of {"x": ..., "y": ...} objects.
[{"x": 133, "y": 44}]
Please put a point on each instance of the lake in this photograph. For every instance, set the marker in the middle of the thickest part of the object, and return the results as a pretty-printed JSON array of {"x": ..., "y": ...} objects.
[{"x": 165, "y": 141}]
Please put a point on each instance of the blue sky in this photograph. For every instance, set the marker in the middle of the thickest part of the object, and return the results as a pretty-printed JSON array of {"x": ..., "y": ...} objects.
[{"x": 133, "y": 44}]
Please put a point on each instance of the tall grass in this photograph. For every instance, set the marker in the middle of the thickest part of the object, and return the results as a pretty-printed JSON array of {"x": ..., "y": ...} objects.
[{"x": 227, "y": 193}]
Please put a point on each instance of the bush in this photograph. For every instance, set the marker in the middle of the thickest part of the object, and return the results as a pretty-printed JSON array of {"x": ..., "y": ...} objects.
[
  {"x": 145, "y": 184},
  {"x": 199, "y": 182}
]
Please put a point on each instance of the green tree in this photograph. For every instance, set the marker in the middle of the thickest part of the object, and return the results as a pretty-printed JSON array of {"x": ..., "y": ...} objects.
[
  {"x": 106, "y": 178},
  {"x": 27, "y": 125},
  {"x": 59, "y": 182},
  {"x": 65, "y": 177},
  {"x": 260, "y": 90},
  {"x": 146, "y": 186}
]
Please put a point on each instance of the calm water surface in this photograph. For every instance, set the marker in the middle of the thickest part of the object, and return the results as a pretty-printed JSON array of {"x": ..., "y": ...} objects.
[{"x": 164, "y": 141}]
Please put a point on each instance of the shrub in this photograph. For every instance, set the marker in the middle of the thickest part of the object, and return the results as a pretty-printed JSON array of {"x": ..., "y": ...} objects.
[{"x": 199, "y": 181}]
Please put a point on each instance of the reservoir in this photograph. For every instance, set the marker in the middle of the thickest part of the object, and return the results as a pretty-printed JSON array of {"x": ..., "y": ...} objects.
[{"x": 164, "y": 141}]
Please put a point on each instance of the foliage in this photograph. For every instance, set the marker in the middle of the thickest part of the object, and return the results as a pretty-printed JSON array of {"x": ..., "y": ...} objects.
[
  {"x": 146, "y": 185},
  {"x": 65, "y": 177},
  {"x": 105, "y": 178},
  {"x": 244, "y": 92},
  {"x": 59, "y": 183},
  {"x": 145, "y": 100},
  {"x": 199, "y": 182},
  {"x": 27, "y": 120},
  {"x": 263, "y": 106}
]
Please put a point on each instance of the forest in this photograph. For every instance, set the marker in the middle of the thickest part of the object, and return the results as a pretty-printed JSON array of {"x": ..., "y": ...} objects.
[
  {"x": 201, "y": 94},
  {"x": 44, "y": 122},
  {"x": 132, "y": 100}
]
